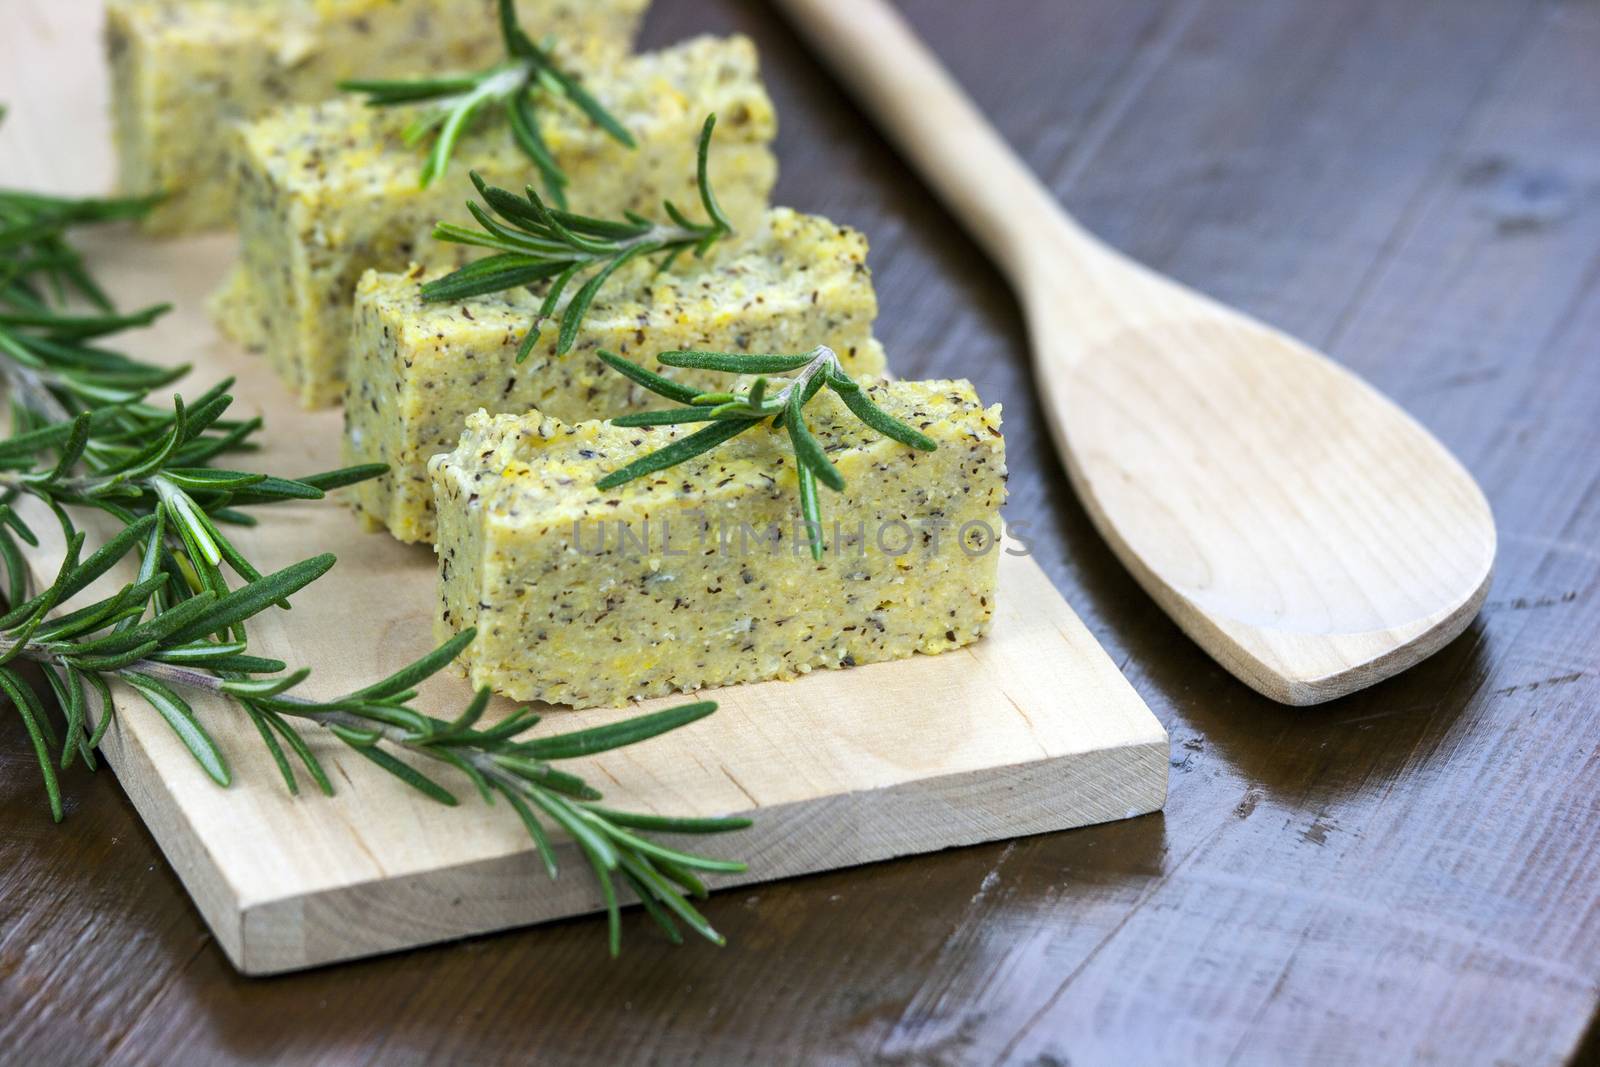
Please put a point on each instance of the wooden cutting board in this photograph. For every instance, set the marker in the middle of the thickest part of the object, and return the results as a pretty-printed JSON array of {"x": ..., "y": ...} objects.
[{"x": 1031, "y": 730}]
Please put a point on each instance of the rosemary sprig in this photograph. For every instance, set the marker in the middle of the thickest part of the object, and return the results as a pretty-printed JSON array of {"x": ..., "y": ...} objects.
[
  {"x": 731, "y": 414},
  {"x": 536, "y": 243},
  {"x": 86, "y": 437},
  {"x": 512, "y": 85}
]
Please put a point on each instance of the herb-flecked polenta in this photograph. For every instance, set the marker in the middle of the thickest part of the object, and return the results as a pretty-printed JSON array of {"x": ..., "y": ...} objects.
[
  {"x": 183, "y": 70},
  {"x": 418, "y": 370},
  {"x": 694, "y": 577},
  {"x": 329, "y": 191}
]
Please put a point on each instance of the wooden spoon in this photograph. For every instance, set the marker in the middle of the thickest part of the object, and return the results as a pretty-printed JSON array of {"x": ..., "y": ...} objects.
[{"x": 1309, "y": 534}]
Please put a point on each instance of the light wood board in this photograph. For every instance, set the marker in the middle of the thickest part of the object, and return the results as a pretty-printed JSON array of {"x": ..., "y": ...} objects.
[{"x": 1031, "y": 730}]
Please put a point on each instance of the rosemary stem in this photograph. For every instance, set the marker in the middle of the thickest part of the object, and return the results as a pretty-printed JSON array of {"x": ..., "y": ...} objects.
[
  {"x": 32, "y": 389},
  {"x": 822, "y": 358},
  {"x": 658, "y": 238},
  {"x": 189, "y": 678},
  {"x": 506, "y": 80}
]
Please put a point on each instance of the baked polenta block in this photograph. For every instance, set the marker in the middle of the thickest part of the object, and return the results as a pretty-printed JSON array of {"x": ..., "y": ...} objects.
[
  {"x": 183, "y": 70},
  {"x": 329, "y": 191},
  {"x": 700, "y": 575},
  {"x": 418, "y": 370}
]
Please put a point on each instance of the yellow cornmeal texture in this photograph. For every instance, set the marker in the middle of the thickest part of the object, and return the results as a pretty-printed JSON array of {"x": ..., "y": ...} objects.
[
  {"x": 418, "y": 370},
  {"x": 329, "y": 191},
  {"x": 574, "y": 609},
  {"x": 183, "y": 70}
]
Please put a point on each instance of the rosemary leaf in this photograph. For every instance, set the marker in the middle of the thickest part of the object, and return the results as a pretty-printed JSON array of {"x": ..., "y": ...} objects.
[
  {"x": 312, "y": 765},
  {"x": 263, "y": 687},
  {"x": 670, "y": 825},
  {"x": 541, "y": 842},
  {"x": 617, "y": 735},
  {"x": 408, "y": 774},
  {"x": 449, "y": 105},
  {"x": 537, "y": 243},
  {"x": 470, "y": 715},
  {"x": 735, "y": 363},
  {"x": 697, "y": 443},
  {"x": 650, "y": 848},
  {"x": 649, "y": 379},
  {"x": 608, "y": 892},
  {"x": 654, "y": 910},
  {"x": 671, "y": 417},
  {"x": 249, "y": 600},
  {"x": 657, "y": 888},
  {"x": 28, "y": 708},
  {"x": 855, "y": 398},
  {"x": 426, "y": 667},
  {"x": 810, "y": 509},
  {"x": 808, "y": 451},
  {"x": 595, "y": 846},
  {"x": 77, "y": 704},
  {"x": 730, "y": 414},
  {"x": 180, "y": 716},
  {"x": 274, "y": 749}
]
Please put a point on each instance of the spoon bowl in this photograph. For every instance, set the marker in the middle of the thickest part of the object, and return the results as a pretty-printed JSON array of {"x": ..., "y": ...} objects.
[{"x": 1297, "y": 524}]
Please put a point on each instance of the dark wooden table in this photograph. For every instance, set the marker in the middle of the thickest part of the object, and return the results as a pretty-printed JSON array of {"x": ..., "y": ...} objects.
[{"x": 1409, "y": 873}]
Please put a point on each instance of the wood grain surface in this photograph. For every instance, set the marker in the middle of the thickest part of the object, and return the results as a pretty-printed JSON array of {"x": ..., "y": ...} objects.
[
  {"x": 1408, "y": 873},
  {"x": 1297, "y": 524}
]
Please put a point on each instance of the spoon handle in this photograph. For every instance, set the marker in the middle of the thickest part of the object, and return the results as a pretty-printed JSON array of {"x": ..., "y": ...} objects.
[{"x": 941, "y": 131}]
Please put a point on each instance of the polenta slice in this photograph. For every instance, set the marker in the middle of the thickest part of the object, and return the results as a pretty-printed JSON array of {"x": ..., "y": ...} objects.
[
  {"x": 701, "y": 575},
  {"x": 330, "y": 191},
  {"x": 419, "y": 369},
  {"x": 182, "y": 71}
]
